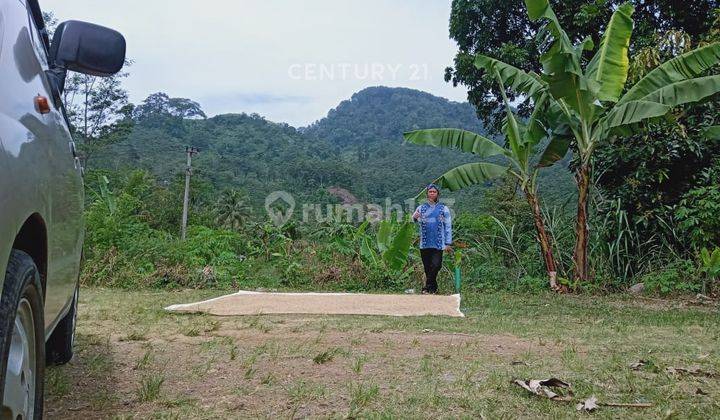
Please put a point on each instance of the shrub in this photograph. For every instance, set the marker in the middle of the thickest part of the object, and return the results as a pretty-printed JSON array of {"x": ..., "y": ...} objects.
[{"x": 677, "y": 277}]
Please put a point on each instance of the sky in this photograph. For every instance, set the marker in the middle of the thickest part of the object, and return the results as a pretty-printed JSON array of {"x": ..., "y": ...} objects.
[{"x": 288, "y": 60}]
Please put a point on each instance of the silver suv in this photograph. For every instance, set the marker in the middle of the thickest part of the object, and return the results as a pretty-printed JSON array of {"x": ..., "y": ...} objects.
[{"x": 41, "y": 195}]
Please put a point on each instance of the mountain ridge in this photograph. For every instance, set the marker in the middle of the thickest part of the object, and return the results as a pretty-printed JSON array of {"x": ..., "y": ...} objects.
[{"x": 358, "y": 146}]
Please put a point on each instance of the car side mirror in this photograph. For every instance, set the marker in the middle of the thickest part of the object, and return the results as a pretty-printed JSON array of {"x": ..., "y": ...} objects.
[{"x": 87, "y": 48}]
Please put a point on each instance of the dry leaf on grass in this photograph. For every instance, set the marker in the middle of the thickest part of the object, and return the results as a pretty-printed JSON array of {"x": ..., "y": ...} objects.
[
  {"x": 627, "y": 405},
  {"x": 542, "y": 387},
  {"x": 638, "y": 365},
  {"x": 644, "y": 365},
  {"x": 692, "y": 370},
  {"x": 588, "y": 405}
]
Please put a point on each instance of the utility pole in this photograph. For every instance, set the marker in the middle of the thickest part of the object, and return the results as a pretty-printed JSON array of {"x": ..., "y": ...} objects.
[{"x": 189, "y": 151}]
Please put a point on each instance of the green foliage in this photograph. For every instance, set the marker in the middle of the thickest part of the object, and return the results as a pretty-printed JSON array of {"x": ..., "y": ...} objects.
[
  {"x": 674, "y": 278},
  {"x": 232, "y": 210},
  {"x": 513, "y": 37},
  {"x": 584, "y": 102},
  {"x": 391, "y": 245},
  {"x": 711, "y": 264},
  {"x": 396, "y": 255},
  {"x": 123, "y": 249},
  {"x": 660, "y": 175},
  {"x": 699, "y": 208},
  {"x": 125, "y": 246}
]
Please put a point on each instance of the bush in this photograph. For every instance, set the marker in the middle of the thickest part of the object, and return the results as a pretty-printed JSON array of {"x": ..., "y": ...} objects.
[
  {"x": 677, "y": 277},
  {"x": 699, "y": 214}
]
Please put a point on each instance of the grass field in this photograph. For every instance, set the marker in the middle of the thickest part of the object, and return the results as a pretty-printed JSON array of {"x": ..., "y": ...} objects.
[{"x": 135, "y": 360}]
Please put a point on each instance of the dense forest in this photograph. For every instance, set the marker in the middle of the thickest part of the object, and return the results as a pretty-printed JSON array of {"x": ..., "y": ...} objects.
[{"x": 358, "y": 147}]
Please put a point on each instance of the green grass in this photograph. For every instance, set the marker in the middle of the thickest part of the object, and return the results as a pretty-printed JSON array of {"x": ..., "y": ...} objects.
[
  {"x": 150, "y": 387},
  {"x": 361, "y": 395},
  {"x": 284, "y": 366},
  {"x": 57, "y": 383}
]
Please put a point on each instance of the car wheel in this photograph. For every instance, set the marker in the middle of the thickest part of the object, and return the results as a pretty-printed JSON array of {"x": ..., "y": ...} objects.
[
  {"x": 59, "y": 347},
  {"x": 22, "y": 347}
]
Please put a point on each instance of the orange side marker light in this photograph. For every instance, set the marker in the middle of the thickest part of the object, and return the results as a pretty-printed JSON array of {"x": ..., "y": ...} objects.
[{"x": 42, "y": 105}]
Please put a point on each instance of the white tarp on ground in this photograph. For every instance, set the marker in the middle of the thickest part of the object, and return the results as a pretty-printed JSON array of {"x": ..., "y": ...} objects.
[{"x": 255, "y": 303}]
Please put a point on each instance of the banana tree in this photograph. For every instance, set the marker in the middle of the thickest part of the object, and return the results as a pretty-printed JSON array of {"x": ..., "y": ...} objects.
[
  {"x": 521, "y": 140},
  {"x": 391, "y": 246},
  {"x": 585, "y": 105}
]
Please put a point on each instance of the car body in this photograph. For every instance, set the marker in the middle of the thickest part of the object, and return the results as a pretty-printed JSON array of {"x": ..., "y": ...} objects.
[
  {"x": 41, "y": 189},
  {"x": 41, "y": 186}
]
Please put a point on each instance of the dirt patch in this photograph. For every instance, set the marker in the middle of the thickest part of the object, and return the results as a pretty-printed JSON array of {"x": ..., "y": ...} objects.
[{"x": 276, "y": 366}]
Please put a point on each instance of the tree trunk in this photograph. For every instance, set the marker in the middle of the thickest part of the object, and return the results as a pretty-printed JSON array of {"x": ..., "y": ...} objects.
[
  {"x": 545, "y": 246},
  {"x": 580, "y": 254}
]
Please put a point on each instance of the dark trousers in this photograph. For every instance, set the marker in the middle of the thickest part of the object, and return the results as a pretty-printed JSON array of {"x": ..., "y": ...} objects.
[{"x": 432, "y": 262}]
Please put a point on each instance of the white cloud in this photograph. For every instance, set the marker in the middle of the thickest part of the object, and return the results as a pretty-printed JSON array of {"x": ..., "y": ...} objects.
[{"x": 246, "y": 55}]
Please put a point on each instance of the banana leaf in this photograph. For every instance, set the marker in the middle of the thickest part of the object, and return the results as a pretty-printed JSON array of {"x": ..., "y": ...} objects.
[
  {"x": 452, "y": 138},
  {"x": 686, "y": 66},
  {"x": 516, "y": 79},
  {"x": 396, "y": 256},
  {"x": 383, "y": 235},
  {"x": 712, "y": 132},
  {"x": 470, "y": 174},
  {"x": 556, "y": 149},
  {"x": 632, "y": 112},
  {"x": 609, "y": 67},
  {"x": 685, "y": 91}
]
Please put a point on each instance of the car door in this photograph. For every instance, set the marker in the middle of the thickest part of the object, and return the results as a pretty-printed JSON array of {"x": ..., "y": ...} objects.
[{"x": 42, "y": 162}]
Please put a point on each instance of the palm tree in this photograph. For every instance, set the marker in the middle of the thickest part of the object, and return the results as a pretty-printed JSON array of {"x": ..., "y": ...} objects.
[
  {"x": 231, "y": 210},
  {"x": 586, "y": 106}
]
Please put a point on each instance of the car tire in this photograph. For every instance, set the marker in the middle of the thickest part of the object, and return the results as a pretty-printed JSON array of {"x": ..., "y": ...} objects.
[
  {"x": 59, "y": 348},
  {"x": 22, "y": 340}
]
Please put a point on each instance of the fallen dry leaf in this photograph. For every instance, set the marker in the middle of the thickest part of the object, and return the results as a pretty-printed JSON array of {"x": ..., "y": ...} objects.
[
  {"x": 644, "y": 365},
  {"x": 542, "y": 387},
  {"x": 588, "y": 405},
  {"x": 692, "y": 370},
  {"x": 626, "y": 405},
  {"x": 638, "y": 365}
]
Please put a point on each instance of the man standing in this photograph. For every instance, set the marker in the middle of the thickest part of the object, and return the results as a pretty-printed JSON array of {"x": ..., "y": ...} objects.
[{"x": 435, "y": 235}]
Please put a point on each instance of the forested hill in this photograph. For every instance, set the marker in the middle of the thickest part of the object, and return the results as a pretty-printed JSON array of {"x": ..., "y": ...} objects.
[
  {"x": 381, "y": 114},
  {"x": 358, "y": 146},
  {"x": 367, "y": 130}
]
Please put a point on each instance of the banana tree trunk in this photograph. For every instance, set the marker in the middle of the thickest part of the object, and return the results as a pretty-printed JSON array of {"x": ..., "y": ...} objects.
[
  {"x": 580, "y": 254},
  {"x": 544, "y": 239}
]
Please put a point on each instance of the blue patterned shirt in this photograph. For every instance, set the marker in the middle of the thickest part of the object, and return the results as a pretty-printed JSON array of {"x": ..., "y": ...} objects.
[{"x": 435, "y": 225}]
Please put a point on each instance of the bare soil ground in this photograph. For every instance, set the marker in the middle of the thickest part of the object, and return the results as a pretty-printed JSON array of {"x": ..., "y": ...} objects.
[{"x": 134, "y": 360}]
